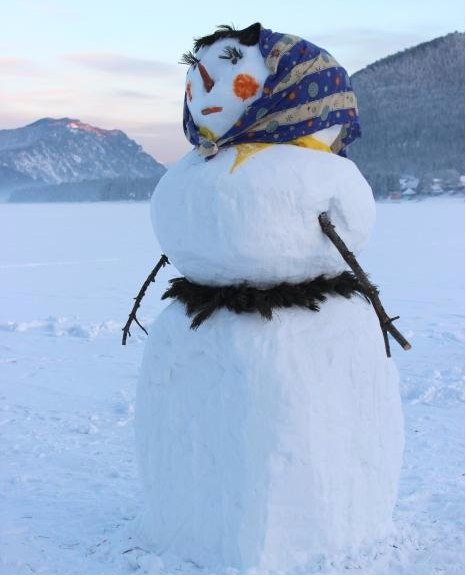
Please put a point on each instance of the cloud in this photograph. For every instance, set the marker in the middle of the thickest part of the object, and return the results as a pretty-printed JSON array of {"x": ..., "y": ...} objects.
[
  {"x": 134, "y": 94},
  {"x": 122, "y": 65},
  {"x": 11, "y": 66},
  {"x": 364, "y": 36},
  {"x": 356, "y": 48},
  {"x": 51, "y": 8}
]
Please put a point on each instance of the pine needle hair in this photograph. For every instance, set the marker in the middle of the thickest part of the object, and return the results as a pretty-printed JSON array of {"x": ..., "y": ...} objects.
[{"x": 247, "y": 37}]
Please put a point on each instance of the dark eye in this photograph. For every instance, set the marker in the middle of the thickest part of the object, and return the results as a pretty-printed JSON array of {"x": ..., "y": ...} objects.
[
  {"x": 230, "y": 53},
  {"x": 189, "y": 59}
]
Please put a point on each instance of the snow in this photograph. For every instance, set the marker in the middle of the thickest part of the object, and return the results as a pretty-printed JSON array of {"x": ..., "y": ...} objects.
[
  {"x": 257, "y": 224},
  {"x": 291, "y": 432},
  {"x": 68, "y": 475}
]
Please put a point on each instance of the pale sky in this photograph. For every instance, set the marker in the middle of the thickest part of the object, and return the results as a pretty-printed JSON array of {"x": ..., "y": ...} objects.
[{"x": 114, "y": 63}]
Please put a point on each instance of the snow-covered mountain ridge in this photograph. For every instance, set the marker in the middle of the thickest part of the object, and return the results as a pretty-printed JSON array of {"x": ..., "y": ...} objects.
[
  {"x": 56, "y": 151},
  {"x": 66, "y": 150}
]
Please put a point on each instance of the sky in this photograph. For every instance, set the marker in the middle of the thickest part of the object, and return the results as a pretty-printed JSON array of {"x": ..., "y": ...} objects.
[{"x": 114, "y": 64}]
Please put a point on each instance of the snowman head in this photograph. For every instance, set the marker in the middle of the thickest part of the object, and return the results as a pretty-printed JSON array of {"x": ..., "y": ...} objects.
[
  {"x": 256, "y": 85},
  {"x": 226, "y": 74}
]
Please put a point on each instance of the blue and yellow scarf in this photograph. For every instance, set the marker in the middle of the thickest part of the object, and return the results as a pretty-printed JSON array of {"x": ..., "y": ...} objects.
[{"x": 306, "y": 91}]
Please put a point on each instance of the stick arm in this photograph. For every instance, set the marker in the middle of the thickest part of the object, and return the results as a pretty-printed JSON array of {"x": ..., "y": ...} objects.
[
  {"x": 386, "y": 322},
  {"x": 163, "y": 261}
]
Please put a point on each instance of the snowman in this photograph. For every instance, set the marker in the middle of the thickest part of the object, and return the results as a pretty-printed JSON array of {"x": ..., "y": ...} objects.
[{"x": 270, "y": 436}]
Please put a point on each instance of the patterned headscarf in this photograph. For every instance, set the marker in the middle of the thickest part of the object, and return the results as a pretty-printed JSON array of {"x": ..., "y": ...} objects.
[{"x": 306, "y": 91}]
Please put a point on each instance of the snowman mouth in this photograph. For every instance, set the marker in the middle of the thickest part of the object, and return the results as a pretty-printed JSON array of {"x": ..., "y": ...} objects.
[{"x": 211, "y": 110}]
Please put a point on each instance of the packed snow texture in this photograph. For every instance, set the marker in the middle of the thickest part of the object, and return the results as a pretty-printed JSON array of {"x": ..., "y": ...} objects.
[
  {"x": 68, "y": 474},
  {"x": 259, "y": 223},
  {"x": 265, "y": 444}
]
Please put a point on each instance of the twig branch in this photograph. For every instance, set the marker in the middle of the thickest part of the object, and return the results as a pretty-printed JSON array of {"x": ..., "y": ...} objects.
[
  {"x": 163, "y": 261},
  {"x": 386, "y": 322}
]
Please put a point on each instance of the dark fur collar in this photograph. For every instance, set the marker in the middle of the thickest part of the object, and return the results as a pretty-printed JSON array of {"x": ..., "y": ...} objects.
[{"x": 202, "y": 301}]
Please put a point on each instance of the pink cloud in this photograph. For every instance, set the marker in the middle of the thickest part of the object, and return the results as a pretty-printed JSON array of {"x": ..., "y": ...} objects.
[
  {"x": 12, "y": 66},
  {"x": 122, "y": 64},
  {"x": 352, "y": 46}
]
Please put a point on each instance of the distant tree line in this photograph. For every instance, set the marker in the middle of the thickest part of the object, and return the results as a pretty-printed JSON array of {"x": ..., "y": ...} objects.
[
  {"x": 391, "y": 185},
  {"x": 138, "y": 190},
  {"x": 87, "y": 191}
]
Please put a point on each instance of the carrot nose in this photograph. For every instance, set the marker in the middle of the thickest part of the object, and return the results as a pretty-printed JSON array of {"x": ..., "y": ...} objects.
[{"x": 207, "y": 80}]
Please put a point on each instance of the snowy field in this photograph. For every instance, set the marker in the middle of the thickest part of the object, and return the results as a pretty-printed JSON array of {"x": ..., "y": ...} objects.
[{"x": 69, "y": 489}]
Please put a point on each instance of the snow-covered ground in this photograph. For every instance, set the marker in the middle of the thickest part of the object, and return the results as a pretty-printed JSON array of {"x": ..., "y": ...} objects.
[{"x": 69, "y": 488}]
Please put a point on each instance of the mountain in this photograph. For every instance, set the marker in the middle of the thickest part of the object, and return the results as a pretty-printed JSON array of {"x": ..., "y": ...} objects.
[
  {"x": 411, "y": 107},
  {"x": 65, "y": 159}
]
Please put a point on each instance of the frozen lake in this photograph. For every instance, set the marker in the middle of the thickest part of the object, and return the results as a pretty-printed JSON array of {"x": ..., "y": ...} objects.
[{"x": 68, "y": 273}]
